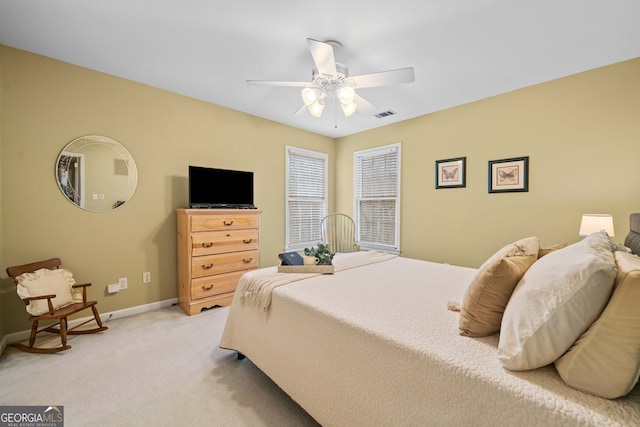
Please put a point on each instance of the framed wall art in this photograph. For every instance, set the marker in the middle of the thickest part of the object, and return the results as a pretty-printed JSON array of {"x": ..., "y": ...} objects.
[
  {"x": 509, "y": 175},
  {"x": 451, "y": 173}
]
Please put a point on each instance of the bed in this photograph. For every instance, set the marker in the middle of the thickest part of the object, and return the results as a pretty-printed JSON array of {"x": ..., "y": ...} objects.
[{"x": 379, "y": 343}]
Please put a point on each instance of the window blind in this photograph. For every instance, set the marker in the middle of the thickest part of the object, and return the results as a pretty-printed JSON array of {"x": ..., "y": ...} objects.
[
  {"x": 377, "y": 198},
  {"x": 307, "y": 198}
]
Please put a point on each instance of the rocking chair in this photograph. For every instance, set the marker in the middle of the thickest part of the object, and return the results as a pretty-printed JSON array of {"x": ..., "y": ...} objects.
[{"x": 44, "y": 280}]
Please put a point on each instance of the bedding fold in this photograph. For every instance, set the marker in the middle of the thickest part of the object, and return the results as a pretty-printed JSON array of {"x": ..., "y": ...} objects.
[{"x": 256, "y": 287}]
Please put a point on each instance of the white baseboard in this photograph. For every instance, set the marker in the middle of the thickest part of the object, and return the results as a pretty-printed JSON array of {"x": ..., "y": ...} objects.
[
  {"x": 105, "y": 317},
  {"x": 112, "y": 315}
]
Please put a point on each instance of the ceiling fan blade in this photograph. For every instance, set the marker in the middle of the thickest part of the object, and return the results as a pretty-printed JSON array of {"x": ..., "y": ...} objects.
[
  {"x": 365, "y": 106},
  {"x": 384, "y": 78},
  {"x": 323, "y": 57},
  {"x": 301, "y": 110},
  {"x": 276, "y": 83}
]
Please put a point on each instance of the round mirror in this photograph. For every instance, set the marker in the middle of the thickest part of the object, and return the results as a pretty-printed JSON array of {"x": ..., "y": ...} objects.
[{"x": 96, "y": 173}]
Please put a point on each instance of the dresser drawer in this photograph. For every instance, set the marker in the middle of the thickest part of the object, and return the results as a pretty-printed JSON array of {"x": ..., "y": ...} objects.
[
  {"x": 216, "y": 242},
  {"x": 204, "y": 287},
  {"x": 223, "y": 222},
  {"x": 223, "y": 263}
]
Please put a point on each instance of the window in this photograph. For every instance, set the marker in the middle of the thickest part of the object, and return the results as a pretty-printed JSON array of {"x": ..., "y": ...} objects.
[
  {"x": 377, "y": 198},
  {"x": 307, "y": 199}
]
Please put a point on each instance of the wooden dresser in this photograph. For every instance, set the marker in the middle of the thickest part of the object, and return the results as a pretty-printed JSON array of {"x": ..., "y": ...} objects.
[{"x": 215, "y": 248}]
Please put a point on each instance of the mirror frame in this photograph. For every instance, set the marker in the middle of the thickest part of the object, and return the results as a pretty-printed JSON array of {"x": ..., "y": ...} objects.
[{"x": 86, "y": 161}]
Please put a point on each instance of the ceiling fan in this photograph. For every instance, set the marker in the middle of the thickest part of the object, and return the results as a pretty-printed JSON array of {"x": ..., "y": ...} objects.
[{"x": 331, "y": 82}]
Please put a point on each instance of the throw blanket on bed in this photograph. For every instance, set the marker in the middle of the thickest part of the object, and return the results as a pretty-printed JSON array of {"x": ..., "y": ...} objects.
[{"x": 256, "y": 286}]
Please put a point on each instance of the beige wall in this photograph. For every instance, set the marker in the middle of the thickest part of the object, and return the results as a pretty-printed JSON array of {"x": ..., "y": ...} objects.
[
  {"x": 582, "y": 134},
  {"x": 46, "y": 104}
]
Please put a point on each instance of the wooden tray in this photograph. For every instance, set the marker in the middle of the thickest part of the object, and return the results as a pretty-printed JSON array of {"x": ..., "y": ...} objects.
[{"x": 322, "y": 269}]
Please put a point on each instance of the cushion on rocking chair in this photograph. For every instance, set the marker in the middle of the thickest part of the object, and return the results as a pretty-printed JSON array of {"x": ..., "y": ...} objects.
[{"x": 47, "y": 282}]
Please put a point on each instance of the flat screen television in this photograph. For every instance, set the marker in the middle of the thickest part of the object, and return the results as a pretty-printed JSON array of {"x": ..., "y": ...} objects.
[{"x": 211, "y": 188}]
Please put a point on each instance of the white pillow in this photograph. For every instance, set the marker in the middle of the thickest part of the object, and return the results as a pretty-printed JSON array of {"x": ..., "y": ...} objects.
[
  {"x": 46, "y": 282},
  {"x": 556, "y": 300}
]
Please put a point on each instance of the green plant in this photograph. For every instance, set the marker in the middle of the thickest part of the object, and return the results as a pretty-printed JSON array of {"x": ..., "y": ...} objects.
[{"x": 322, "y": 252}]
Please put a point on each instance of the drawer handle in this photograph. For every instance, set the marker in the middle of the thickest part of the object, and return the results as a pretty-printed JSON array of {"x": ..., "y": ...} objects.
[
  {"x": 207, "y": 267},
  {"x": 247, "y": 241},
  {"x": 247, "y": 261},
  {"x": 207, "y": 288},
  {"x": 227, "y": 223},
  {"x": 207, "y": 244}
]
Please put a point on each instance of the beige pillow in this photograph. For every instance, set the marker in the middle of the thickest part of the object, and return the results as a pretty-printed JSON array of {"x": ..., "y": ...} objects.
[
  {"x": 46, "y": 282},
  {"x": 557, "y": 299},
  {"x": 489, "y": 291},
  {"x": 605, "y": 360},
  {"x": 544, "y": 251}
]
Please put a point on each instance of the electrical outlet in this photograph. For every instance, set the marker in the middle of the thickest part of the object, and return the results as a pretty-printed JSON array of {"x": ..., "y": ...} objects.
[
  {"x": 146, "y": 277},
  {"x": 122, "y": 282}
]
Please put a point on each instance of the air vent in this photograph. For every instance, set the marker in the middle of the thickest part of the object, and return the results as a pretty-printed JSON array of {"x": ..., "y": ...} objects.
[{"x": 385, "y": 114}]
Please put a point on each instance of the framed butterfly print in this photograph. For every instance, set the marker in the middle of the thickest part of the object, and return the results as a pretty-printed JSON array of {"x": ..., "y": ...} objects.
[
  {"x": 509, "y": 175},
  {"x": 451, "y": 173}
]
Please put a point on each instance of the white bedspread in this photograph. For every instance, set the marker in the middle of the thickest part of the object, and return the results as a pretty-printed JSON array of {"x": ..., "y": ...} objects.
[
  {"x": 375, "y": 345},
  {"x": 257, "y": 286}
]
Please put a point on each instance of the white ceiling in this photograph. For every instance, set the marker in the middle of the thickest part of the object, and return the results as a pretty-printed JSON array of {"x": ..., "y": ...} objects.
[{"x": 461, "y": 50}]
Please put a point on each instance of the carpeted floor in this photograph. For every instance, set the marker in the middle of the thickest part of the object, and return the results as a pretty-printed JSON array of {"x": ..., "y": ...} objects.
[{"x": 160, "y": 368}]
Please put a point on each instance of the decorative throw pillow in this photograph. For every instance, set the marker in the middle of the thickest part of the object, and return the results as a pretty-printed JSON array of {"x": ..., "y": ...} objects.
[
  {"x": 544, "y": 251},
  {"x": 489, "y": 291},
  {"x": 46, "y": 282},
  {"x": 605, "y": 360},
  {"x": 75, "y": 292},
  {"x": 558, "y": 298}
]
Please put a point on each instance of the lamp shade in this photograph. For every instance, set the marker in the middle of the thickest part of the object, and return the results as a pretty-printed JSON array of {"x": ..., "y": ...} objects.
[
  {"x": 310, "y": 95},
  {"x": 346, "y": 94},
  {"x": 349, "y": 109},
  {"x": 592, "y": 223},
  {"x": 316, "y": 109}
]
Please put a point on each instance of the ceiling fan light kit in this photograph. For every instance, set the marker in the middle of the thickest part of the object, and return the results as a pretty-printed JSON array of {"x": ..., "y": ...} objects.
[
  {"x": 330, "y": 79},
  {"x": 314, "y": 98}
]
